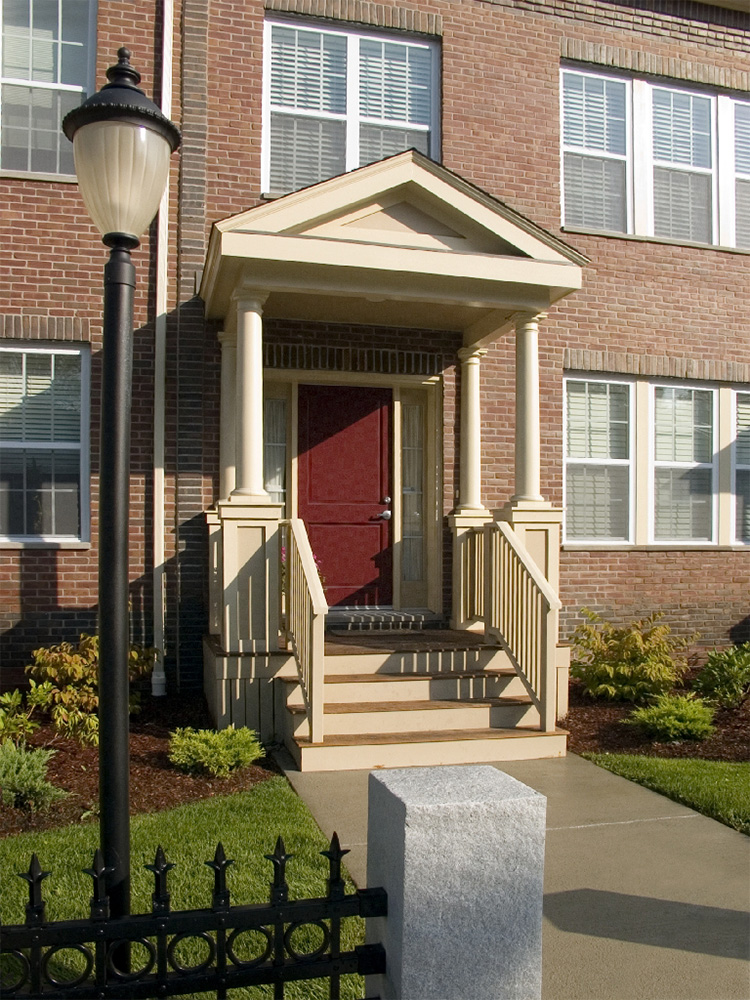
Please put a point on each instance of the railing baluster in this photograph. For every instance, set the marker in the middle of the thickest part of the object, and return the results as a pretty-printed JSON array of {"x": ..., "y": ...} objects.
[{"x": 521, "y": 609}]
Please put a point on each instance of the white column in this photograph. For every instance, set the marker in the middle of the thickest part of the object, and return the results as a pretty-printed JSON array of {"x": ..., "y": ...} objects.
[
  {"x": 249, "y": 477},
  {"x": 470, "y": 457},
  {"x": 528, "y": 436},
  {"x": 228, "y": 414}
]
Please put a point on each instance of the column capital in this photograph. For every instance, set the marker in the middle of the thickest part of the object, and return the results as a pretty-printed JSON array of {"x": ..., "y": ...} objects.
[
  {"x": 227, "y": 338},
  {"x": 466, "y": 354},
  {"x": 525, "y": 318},
  {"x": 250, "y": 299}
]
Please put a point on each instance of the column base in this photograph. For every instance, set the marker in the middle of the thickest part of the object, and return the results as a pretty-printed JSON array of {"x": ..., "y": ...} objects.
[{"x": 249, "y": 571}]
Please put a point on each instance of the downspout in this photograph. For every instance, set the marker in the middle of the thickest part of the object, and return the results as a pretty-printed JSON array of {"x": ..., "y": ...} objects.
[{"x": 158, "y": 677}]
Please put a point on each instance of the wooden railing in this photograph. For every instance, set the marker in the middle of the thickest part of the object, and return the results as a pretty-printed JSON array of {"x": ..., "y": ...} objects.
[
  {"x": 305, "y": 611},
  {"x": 521, "y": 613}
]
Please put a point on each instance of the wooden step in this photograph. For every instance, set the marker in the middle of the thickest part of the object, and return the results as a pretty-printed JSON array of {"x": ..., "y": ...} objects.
[
  {"x": 373, "y": 718},
  {"x": 465, "y": 684},
  {"x": 415, "y": 749}
]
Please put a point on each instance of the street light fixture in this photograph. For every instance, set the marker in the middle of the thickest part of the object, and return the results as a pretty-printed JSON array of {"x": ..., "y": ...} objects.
[{"x": 122, "y": 145}]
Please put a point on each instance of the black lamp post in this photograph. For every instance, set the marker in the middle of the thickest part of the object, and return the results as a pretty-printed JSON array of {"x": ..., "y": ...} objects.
[{"x": 122, "y": 145}]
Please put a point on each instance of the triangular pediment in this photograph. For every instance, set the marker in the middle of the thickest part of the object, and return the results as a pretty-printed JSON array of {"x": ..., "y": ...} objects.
[
  {"x": 402, "y": 242},
  {"x": 408, "y": 201}
]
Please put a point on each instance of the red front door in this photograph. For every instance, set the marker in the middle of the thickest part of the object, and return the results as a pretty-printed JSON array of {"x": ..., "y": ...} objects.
[{"x": 344, "y": 487}]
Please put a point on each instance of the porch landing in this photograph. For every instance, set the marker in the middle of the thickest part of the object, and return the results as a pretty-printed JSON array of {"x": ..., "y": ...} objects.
[{"x": 402, "y": 697}]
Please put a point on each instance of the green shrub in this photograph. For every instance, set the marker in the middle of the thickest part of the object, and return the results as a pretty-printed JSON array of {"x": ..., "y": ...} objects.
[
  {"x": 23, "y": 777},
  {"x": 17, "y": 709},
  {"x": 71, "y": 673},
  {"x": 674, "y": 717},
  {"x": 216, "y": 753},
  {"x": 632, "y": 663},
  {"x": 725, "y": 679}
]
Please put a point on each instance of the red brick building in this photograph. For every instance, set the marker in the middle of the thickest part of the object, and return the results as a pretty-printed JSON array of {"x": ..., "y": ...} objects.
[{"x": 584, "y": 240}]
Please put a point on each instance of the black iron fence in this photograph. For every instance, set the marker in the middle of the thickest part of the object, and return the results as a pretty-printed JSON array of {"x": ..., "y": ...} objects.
[{"x": 143, "y": 955}]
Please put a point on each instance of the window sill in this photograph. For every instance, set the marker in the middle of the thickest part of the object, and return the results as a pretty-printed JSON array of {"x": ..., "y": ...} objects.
[
  {"x": 654, "y": 547},
  {"x": 43, "y": 543},
  {"x": 662, "y": 240},
  {"x": 28, "y": 175}
]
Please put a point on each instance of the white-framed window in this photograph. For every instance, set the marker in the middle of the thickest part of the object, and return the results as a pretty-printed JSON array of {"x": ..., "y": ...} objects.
[
  {"x": 598, "y": 460},
  {"x": 742, "y": 467},
  {"x": 44, "y": 443},
  {"x": 654, "y": 159},
  {"x": 338, "y": 98},
  {"x": 46, "y": 69},
  {"x": 684, "y": 473}
]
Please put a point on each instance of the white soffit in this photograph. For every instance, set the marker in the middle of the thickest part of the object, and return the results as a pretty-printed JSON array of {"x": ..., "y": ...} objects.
[{"x": 404, "y": 228}]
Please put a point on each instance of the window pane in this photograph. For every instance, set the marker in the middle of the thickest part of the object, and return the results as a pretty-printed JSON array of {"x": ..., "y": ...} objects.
[
  {"x": 16, "y": 39},
  {"x": 594, "y": 113},
  {"x": 376, "y": 142},
  {"x": 595, "y": 193},
  {"x": 597, "y": 420},
  {"x": 40, "y": 492},
  {"x": 597, "y": 502},
  {"x": 683, "y": 425},
  {"x": 742, "y": 211},
  {"x": 11, "y": 396},
  {"x": 395, "y": 82},
  {"x": 743, "y": 506},
  {"x": 682, "y": 504},
  {"x": 308, "y": 70},
  {"x": 305, "y": 151},
  {"x": 412, "y": 444},
  {"x": 682, "y": 128},
  {"x": 274, "y": 452},
  {"x": 682, "y": 205},
  {"x": 743, "y": 429}
]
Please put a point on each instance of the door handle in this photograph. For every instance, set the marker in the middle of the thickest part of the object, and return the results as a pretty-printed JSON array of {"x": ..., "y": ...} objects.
[{"x": 385, "y": 515}]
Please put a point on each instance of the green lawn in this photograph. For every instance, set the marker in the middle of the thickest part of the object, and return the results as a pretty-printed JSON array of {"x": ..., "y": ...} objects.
[
  {"x": 715, "y": 788},
  {"x": 246, "y": 823}
]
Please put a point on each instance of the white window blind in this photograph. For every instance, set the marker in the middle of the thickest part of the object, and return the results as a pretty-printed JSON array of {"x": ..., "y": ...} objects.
[
  {"x": 43, "y": 443},
  {"x": 47, "y": 55},
  {"x": 337, "y": 99},
  {"x": 595, "y": 144},
  {"x": 654, "y": 160},
  {"x": 742, "y": 468},
  {"x": 742, "y": 170},
  {"x": 683, "y": 476},
  {"x": 597, "y": 475}
]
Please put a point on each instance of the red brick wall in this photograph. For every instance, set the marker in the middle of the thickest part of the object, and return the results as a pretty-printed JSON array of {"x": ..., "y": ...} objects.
[{"x": 500, "y": 130}]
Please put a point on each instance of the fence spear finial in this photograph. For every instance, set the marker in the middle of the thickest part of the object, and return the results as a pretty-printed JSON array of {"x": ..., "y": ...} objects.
[
  {"x": 279, "y": 858},
  {"x": 335, "y": 853},
  {"x": 99, "y": 901},
  {"x": 160, "y": 868},
  {"x": 36, "y": 905},
  {"x": 220, "y": 864}
]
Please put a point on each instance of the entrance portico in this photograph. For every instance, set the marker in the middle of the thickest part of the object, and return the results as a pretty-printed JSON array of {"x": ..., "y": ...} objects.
[{"x": 402, "y": 243}]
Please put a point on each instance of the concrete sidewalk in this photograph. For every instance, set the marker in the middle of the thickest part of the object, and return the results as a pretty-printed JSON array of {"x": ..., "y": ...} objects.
[{"x": 644, "y": 898}]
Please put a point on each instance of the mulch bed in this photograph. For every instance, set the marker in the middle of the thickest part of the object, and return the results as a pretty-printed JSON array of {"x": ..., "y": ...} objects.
[
  {"x": 596, "y": 727},
  {"x": 154, "y": 783}
]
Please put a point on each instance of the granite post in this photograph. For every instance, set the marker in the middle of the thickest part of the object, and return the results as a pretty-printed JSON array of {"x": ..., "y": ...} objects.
[{"x": 460, "y": 852}]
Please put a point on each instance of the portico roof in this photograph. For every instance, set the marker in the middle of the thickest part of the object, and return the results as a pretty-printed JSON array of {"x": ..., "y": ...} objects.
[{"x": 402, "y": 242}]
